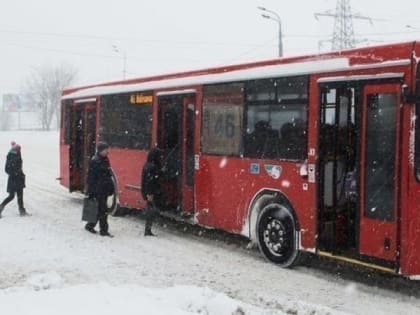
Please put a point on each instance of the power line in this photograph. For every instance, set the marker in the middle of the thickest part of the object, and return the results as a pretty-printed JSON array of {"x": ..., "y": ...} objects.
[
  {"x": 360, "y": 34},
  {"x": 93, "y": 55},
  {"x": 84, "y": 54},
  {"x": 127, "y": 38},
  {"x": 187, "y": 43},
  {"x": 251, "y": 51}
]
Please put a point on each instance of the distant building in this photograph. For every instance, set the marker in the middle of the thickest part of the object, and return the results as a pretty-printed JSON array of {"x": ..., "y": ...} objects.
[{"x": 17, "y": 112}]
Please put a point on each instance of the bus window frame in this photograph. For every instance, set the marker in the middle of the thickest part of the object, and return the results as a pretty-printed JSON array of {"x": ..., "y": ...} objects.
[{"x": 276, "y": 102}]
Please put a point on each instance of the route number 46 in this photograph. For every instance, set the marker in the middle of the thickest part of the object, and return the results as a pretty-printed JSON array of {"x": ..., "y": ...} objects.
[{"x": 225, "y": 125}]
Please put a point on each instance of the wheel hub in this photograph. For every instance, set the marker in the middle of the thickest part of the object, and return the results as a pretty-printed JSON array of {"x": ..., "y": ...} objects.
[{"x": 274, "y": 236}]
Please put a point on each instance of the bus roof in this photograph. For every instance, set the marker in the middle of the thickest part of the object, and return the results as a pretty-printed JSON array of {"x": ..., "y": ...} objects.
[{"x": 361, "y": 58}]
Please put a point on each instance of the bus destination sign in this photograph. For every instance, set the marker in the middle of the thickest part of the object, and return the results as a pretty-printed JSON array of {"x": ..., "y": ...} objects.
[{"x": 141, "y": 99}]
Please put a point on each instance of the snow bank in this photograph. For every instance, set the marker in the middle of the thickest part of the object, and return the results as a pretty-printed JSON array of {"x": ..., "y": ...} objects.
[
  {"x": 45, "y": 281},
  {"x": 105, "y": 299}
]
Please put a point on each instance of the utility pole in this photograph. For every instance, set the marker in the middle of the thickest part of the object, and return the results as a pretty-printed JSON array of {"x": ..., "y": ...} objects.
[{"x": 343, "y": 35}]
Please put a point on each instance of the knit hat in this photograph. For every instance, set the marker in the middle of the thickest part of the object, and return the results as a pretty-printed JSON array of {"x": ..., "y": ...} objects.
[
  {"x": 17, "y": 147},
  {"x": 102, "y": 146},
  {"x": 13, "y": 143}
]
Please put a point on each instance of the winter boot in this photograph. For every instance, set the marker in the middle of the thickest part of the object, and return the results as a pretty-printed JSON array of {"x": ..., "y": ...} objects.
[
  {"x": 90, "y": 229},
  {"x": 23, "y": 213},
  {"x": 148, "y": 233},
  {"x": 106, "y": 234}
]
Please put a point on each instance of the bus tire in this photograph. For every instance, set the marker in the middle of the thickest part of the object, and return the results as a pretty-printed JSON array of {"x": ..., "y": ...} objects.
[
  {"x": 112, "y": 205},
  {"x": 277, "y": 235}
]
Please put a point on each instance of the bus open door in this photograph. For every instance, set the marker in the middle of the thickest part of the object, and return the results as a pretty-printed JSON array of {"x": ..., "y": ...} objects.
[
  {"x": 188, "y": 171},
  {"x": 176, "y": 139},
  {"x": 379, "y": 180},
  {"x": 82, "y": 143},
  {"x": 359, "y": 178}
]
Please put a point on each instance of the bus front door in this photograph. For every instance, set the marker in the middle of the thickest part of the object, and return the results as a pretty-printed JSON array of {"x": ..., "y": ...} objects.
[
  {"x": 82, "y": 144},
  {"x": 379, "y": 176}
]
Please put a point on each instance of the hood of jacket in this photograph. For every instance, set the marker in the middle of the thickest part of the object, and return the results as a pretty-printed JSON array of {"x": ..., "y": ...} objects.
[{"x": 154, "y": 156}]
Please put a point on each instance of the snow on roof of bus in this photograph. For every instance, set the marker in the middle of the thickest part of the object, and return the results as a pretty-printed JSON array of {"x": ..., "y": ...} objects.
[
  {"x": 253, "y": 73},
  {"x": 229, "y": 76}
]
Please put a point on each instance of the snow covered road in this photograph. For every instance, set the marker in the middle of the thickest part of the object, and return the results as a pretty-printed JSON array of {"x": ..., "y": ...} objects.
[{"x": 53, "y": 240}]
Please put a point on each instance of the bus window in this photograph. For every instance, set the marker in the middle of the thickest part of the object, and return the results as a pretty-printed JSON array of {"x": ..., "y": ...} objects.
[
  {"x": 329, "y": 110},
  {"x": 380, "y": 157},
  {"x": 276, "y": 127},
  {"x": 222, "y": 119},
  {"x": 124, "y": 123},
  {"x": 261, "y": 90},
  {"x": 417, "y": 149}
]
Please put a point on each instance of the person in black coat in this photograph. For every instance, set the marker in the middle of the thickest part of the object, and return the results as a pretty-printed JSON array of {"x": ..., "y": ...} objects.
[
  {"x": 100, "y": 186},
  {"x": 151, "y": 187},
  {"x": 16, "y": 181}
]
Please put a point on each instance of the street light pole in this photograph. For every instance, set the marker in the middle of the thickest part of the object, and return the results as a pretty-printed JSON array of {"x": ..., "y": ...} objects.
[
  {"x": 124, "y": 55},
  {"x": 274, "y": 16}
]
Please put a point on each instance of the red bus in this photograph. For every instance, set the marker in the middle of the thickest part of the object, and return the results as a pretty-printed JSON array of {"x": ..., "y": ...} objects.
[{"x": 316, "y": 154}]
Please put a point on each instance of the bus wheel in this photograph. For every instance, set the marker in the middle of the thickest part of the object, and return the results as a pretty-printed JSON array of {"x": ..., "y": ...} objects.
[
  {"x": 112, "y": 202},
  {"x": 112, "y": 205},
  {"x": 277, "y": 235}
]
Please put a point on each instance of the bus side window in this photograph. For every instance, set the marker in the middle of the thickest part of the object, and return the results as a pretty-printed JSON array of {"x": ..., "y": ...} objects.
[
  {"x": 124, "y": 124},
  {"x": 276, "y": 119},
  {"x": 222, "y": 119},
  {"x": 281, "y": 137}
]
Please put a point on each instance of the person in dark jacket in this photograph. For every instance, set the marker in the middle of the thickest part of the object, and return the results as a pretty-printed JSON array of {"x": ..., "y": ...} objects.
[
  {"x": 16, "y": 181},
  {"x": 151, "y": 187},
  {"x": 100, "y": 186}
]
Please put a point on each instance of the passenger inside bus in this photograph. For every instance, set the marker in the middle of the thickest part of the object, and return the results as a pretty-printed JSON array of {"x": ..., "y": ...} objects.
[
  {"x": 293, "y": 139},
  {"x": 289, "y": 143},
  {"x": 262, "y": 142}
]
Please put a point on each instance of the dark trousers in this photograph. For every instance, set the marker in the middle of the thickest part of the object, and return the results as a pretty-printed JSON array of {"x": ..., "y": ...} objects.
[
  {"x": 102, "y": 215},
  {"x": 151, "y": 213},
  {"x": 11, "y": 196}
]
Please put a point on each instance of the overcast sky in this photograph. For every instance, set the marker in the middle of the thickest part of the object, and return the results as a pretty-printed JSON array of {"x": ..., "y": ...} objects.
[{"x": 160, "y": 36}]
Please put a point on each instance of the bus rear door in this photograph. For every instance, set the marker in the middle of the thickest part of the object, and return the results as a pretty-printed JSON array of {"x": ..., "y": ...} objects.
[{"x": 379, "y": 178}]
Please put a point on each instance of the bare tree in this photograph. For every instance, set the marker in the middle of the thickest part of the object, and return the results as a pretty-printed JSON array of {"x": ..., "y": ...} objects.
[{"x": 44, "y": 87}]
